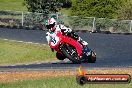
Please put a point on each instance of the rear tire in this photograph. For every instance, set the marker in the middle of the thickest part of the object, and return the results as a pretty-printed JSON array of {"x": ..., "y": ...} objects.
[
  {"x": 92, "y": 58},
  {"x": 66, "y": 51}
]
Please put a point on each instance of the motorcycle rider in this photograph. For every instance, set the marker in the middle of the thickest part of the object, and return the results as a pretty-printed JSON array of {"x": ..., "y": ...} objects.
[{"x": 52, "y": 25}]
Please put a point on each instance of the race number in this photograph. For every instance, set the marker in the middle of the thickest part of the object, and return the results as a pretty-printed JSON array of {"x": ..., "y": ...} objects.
[{"x": 54, "y": 40}]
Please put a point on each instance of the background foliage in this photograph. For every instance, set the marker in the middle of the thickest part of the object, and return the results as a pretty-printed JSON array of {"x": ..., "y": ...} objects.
[
  {"x": 113, "y": 9},
  {"x": 46, "y": 6},
  {"x": 95, "y": 8},
  {"x": 125, "y": 10},
  {"x": 42, "y": 6},
  {"x": 118, "y": 9}
]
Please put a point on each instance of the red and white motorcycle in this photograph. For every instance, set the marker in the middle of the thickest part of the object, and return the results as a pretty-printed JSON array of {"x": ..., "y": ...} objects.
[{"x": 67, "y": 47}]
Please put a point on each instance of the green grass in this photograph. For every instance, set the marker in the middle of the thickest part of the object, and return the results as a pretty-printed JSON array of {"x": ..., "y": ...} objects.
[
  {"x": 14, "y": 52},
  {"x": 15, "y": 5},
  {"x": 58, "y": 82}
]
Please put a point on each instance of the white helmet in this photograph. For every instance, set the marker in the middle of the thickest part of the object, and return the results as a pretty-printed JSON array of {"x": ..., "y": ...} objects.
[{"x": 51, "y": 23}]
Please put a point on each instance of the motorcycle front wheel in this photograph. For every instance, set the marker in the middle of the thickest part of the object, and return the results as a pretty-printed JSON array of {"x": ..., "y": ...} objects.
[
  {"x": 60, "y": 56},
  {"x": 71, "y": 53}
]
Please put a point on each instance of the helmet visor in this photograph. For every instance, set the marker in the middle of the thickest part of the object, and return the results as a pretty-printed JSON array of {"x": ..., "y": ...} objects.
[{"x": 50, "y": 26}]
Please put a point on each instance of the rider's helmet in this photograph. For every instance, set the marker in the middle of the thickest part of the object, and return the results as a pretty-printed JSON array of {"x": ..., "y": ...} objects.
[{"x": 50, "y": 24}]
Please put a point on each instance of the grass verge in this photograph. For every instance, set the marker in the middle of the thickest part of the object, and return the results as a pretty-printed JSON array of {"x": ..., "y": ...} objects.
[
  {"x": 14, "y": 52},
  {"x": 58, "y": 82},
  {"x": 56, "y": 79}
]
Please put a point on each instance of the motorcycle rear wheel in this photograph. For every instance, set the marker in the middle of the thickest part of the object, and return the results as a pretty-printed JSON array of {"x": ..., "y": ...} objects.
[{"x": 92, "y": 58}]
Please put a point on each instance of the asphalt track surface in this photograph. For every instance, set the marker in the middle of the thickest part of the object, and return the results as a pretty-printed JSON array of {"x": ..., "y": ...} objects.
[{"x": 113, "y": 50}]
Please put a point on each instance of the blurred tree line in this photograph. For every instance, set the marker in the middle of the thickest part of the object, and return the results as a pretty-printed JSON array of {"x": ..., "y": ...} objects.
[
  {"x": 121, "y": 9},
  {"x": 46, "y": 6}
]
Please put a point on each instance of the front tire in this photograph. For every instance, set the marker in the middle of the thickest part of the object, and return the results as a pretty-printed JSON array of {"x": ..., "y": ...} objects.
[
  {"x": 67, "y": 50},
  {"x": 60, "y": 56}
]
